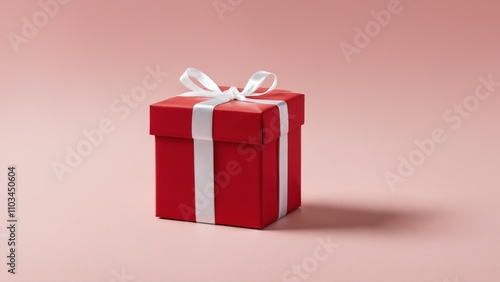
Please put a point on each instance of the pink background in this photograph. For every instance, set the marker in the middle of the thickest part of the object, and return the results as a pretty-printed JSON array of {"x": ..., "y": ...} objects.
[{"x": 441, "y": 224}]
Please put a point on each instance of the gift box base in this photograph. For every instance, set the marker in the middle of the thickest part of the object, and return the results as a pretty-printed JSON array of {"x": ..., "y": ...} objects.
[{"x": 245, "y": 177}]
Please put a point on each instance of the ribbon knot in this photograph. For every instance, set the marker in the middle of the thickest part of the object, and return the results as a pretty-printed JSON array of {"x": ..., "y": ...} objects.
[{"x": 233, "y": 94}]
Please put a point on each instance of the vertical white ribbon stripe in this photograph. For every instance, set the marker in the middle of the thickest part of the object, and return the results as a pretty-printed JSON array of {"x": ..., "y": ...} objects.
[
  {"x": 203, "y": 181},
  {"x": 201, "y": 130}
]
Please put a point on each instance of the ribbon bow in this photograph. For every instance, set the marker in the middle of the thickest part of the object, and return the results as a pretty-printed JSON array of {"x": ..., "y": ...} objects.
[
  {"x": 213, "y": 90},
  {"x": 201, "y": 130}
]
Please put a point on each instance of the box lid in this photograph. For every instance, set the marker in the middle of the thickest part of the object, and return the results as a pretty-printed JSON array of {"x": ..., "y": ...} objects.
[{"x": 234, "y": 121}]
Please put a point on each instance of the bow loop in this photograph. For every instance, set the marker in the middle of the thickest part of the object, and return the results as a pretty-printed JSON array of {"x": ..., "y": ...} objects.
[
  {"x": 202, "y": 78},
  {"x": 256, "y": 81}
]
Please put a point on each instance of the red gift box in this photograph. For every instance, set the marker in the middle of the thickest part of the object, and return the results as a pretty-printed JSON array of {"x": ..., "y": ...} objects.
[{"x": 246, "y": 159}]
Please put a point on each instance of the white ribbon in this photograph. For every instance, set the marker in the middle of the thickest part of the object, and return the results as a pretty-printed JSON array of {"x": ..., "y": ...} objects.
[{"x": 203, "y": 142}]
